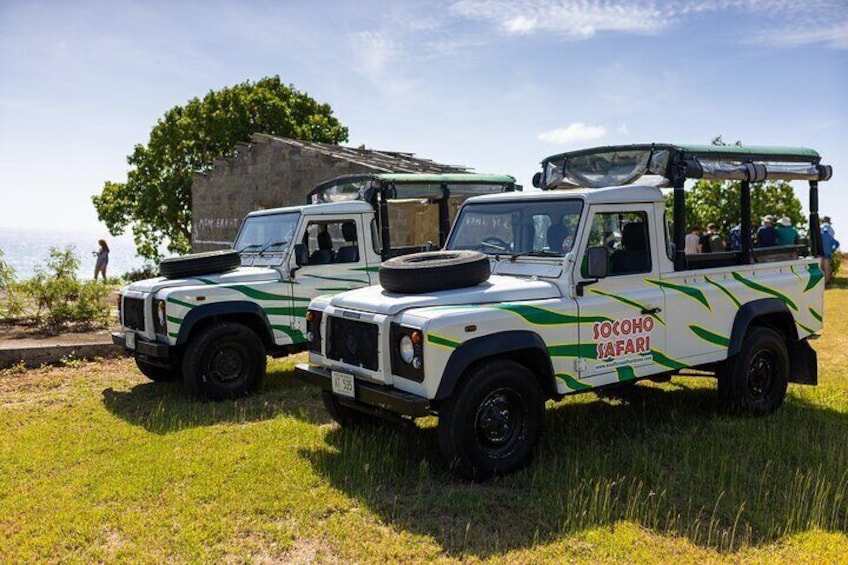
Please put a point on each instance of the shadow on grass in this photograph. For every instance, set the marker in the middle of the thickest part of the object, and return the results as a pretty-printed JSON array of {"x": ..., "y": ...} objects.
[
  {"x": 667, "y": 459},
  {"x": 168, "y": 407}
]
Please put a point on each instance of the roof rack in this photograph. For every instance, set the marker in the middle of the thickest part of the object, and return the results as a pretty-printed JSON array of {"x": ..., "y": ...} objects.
[
  {"x": 625, "y": 164},
  {"x": 409, "y": 185}
]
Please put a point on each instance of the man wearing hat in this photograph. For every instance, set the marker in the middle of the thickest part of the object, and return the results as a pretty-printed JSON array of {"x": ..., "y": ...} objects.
[
  {"x": 767, "y": 235},
  {"x": 786, "y": 234}
]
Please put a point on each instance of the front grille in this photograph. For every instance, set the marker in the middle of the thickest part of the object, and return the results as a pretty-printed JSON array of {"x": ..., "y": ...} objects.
[
  {"x": 353, "y": 342},
  {"x": 133, "y": 312}
]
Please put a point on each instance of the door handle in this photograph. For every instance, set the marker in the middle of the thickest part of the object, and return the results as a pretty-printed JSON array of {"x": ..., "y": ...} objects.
[{"x": 649, "y": 311}]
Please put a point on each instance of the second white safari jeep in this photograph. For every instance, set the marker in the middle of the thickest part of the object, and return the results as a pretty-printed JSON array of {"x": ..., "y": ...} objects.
[{"x": 589, "y": 287}]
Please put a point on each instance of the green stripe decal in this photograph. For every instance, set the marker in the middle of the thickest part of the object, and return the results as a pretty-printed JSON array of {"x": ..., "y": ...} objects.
[
  {"x": 181, "y": 303},
  {"x": 367, "y": 269},
  {"x": 339, "y": 279},
  {"x": 543, "y": 317},
  {"x": 174, "y": 320},
  {"x": 588, "y": 350},
  {"x": 765, "y": 290},
  {"x": 293, "y": 311},
  {"x": 625, "y": 373},
  {"x": 571, "y": 382},
  {"x": 295, "y": 335},
  {"x": 725, "y": 291},
  {"x": 625, "y": 301},
  {"x": 439, "y": 340},
  {"x": 709, "y": 336},
  {"x": 689, "y": 291},
  {"x": 334, "y": 288},
  {"x": 173, "y": 334},
  {"x": 805, "y": 328},
  {"x": 816, "y": 275},
  {"x": 665, "y": 361},
  {"x": 259, "y": 294},
  {"x": 815, "y": 315}
]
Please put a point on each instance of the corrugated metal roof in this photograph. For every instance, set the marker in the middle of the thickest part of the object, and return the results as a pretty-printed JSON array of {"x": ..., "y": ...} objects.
[{"x": 379, "y": 161}]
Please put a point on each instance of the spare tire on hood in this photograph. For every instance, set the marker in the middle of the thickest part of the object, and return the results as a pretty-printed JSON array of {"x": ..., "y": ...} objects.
[
  {"x": 434, "y": 270},
  {"x": 200, "y": 264}
]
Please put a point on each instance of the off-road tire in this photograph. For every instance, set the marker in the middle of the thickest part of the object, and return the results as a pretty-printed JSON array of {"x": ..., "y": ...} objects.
[
  {"x": 493, "y": 420},
  {"x": 225, "y": 360},
  {"x": 155, "y": 373},
  {"x": 345, "y": 416},
  {"x": 431, "y": 271},
  {"x": 199, "y": 264},
  {"x": 754, "y": 381}
]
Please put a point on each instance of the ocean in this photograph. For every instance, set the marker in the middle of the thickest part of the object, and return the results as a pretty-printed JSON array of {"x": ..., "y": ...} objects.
[{"x": 24, "y": 248}]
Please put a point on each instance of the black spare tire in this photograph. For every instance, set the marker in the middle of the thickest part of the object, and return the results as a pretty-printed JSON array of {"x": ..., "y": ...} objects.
[
  {"x": 434, "y": 270},
  {"x": 199, "y": 264}
]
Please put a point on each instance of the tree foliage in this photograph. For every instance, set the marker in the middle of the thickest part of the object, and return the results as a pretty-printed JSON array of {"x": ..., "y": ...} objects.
[
  {"x": 155, "y": 201},
  {"x": 720, "y": 202}
]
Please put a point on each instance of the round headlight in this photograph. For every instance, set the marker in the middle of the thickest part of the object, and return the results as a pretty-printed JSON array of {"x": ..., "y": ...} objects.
[{"x": 407, "y": 350}]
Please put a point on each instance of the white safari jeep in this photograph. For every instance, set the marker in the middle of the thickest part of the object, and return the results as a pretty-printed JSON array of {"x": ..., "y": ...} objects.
[
  {"x": 589, "y": 287},
  {"x": 212, "y": 317}
]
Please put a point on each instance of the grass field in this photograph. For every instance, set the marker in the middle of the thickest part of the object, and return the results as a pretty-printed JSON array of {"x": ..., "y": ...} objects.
[{"x": 99, "y": 465}]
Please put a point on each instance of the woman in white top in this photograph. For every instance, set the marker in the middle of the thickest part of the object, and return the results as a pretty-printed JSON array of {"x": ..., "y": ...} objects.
[{"x": 693, "y": 240}]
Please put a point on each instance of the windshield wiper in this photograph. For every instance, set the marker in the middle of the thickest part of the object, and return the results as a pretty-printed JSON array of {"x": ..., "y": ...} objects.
[
  {"x": 535, "y": 253},
  {"x": 248, "y": 246},
  {"x": 272, "y": 244}
]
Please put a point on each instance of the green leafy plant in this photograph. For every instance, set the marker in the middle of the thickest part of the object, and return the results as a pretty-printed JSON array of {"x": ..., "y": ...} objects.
[
  {"x": 60, "y": 300},
  {"x": 11, "y": 303}
]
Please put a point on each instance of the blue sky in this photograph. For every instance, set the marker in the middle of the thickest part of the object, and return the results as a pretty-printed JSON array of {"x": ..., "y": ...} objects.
[{"x": 493, "y": 85}]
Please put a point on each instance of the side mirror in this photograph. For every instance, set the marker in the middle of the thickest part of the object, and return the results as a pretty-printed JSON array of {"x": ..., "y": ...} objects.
[
  {"x": 301, "y": 254},
  {"x": 598, "y": 262},
  {"x": 537, "y": 180}
]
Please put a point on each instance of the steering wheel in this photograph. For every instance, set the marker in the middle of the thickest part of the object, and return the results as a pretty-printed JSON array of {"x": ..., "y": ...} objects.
[{"x": 495, "y": 243}]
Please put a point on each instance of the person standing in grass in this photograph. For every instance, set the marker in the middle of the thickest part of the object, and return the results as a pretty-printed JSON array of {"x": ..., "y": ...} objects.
[
  {"x": 829, "y": 247},
  {"x": 102, "y": 255}
]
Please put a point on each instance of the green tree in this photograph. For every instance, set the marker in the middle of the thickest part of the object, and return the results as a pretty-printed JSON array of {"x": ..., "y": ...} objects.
[
  {"x": 720, "y": 201},
  {"x": 155, "y": 201}
]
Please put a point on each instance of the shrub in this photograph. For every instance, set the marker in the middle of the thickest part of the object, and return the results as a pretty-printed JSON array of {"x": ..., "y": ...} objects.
[
  {"x": 11, "y": 303},
  {"x": 147, "y": 271},
  {"x": 60, "y": 300}
]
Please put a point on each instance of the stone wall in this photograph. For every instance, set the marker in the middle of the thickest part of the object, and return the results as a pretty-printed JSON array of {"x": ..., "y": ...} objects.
[{"x": 267, "y": 173}]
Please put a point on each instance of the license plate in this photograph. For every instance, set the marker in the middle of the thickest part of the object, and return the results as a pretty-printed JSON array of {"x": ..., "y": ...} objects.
[
  {"x": 130, "y": 340},
  {"x": 343, "y": 384}
]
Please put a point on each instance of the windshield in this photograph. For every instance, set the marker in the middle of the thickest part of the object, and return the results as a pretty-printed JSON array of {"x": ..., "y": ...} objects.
[
  {"x": 541, "y": 227},
  {"x": 269, "y": 233}
]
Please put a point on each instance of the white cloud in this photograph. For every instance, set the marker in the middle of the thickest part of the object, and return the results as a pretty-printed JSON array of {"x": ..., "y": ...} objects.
[
  {"x": 575, "y": 132},
  {"x": 775, "y": 22},
  {"x": 578, "y": 20},
  {"x": 623, "y": 130}
]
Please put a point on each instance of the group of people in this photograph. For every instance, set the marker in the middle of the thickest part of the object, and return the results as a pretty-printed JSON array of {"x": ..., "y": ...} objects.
[
  {"x": 769, "y": 234},
  {"x": 709, "y": 241}
]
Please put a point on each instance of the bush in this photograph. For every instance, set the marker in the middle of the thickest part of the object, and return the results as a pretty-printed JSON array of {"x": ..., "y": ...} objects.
[
  {"x": 147, "y": 271},
  {"x": 60, "y": 300},
  {"x": 835, "y": 263},
  {"x": 11, "y": 303}
]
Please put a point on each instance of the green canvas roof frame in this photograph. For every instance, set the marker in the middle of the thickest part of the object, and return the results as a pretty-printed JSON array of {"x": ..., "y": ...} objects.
[
  {"x": 625, "y": 164},
  {"x": 676, "y": 163}
]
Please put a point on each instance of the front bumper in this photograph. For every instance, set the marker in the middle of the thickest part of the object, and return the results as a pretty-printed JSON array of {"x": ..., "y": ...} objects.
[
  {"x": 148, "y": 348},
  {"x": 367, "y": 394}
]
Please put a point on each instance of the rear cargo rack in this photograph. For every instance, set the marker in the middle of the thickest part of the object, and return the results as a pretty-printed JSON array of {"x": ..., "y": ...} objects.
[{"x": 617, "y": 165}]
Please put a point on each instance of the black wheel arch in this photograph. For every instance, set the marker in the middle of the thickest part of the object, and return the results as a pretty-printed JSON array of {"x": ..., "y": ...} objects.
[
  {"x": 248, "y": 313},
  {"x": 524, "y": 347},
  {"x": 768, "y": 312}
]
